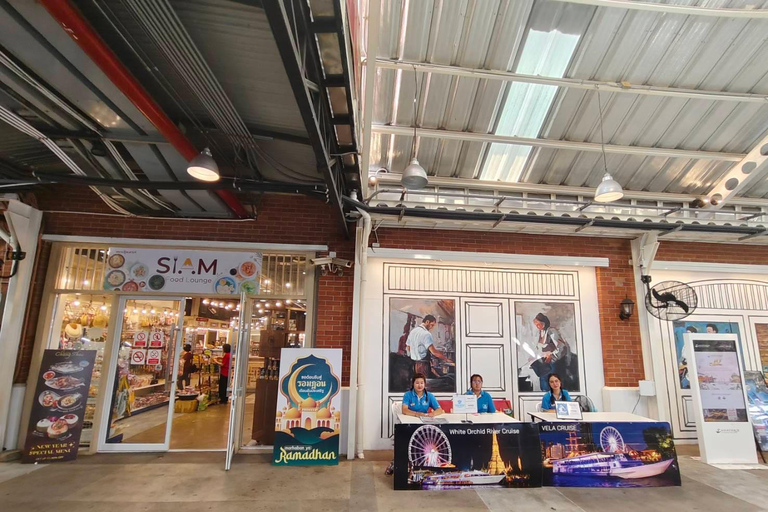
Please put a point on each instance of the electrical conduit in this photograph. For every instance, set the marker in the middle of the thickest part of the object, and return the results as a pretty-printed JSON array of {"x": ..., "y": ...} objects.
[
  {"x": 81, "y": 32},
  {"x": 356, "y": 377}
]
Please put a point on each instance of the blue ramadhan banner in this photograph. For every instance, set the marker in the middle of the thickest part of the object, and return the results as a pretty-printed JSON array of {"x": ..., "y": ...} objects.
[{"x": 308, "y": 419}]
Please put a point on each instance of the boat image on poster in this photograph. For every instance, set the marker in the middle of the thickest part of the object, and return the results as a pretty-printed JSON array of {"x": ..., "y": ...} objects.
[
  {"x": 615, "y": 459},
  {"x": 474, "y": 477}
]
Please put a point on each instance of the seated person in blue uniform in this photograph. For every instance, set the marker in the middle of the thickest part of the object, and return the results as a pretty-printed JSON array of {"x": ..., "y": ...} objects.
[
  {"x": 484, "y": 400},
  {"x": 418, "y": 401},
  {"x": 556, "y": 393}
]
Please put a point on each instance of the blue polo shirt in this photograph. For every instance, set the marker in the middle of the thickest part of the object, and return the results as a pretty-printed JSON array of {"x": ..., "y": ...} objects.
[
  {"x": 484, "y": 401},
  {"x": 416, "y": 404},
  {"x": 546, "y": 401}
]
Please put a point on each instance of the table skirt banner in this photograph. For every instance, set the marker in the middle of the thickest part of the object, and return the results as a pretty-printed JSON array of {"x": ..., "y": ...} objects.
[
  {"x": 557, "y": 454},
  {"x": 613, "y": 454},
  {"x": 448, "y": 456}
]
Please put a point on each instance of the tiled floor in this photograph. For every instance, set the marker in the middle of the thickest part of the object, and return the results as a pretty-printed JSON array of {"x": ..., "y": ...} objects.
[{"x": 195, "y": 482}]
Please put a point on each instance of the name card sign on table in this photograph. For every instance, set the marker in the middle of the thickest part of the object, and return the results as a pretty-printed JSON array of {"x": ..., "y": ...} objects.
[
  {"x": 719, "y": 397},
  {"x": 568, "y": 411},
  {"x": 182, "y": 271},
  {"x": 465, "y": 404}
]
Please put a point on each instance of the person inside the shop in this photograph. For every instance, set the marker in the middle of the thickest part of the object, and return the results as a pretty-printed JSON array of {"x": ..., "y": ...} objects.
[
  {"x": 556, "y": 393},
  {"x": 420, "y": 344},
  {"x": 484, "y": 400},
  {"x": 418, "y": 401},
  {"x": 223, "y": 363},
  {"x": 186, "y": 367}
]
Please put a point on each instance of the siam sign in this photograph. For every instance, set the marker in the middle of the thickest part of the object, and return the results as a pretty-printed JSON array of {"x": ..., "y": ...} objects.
[{"x": 182, "y": 271}]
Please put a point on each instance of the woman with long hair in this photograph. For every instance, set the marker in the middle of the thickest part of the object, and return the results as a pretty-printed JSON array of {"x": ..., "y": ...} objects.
[
  {"x": 418, "y": 401},
  {"x": 556, "y": 393}
]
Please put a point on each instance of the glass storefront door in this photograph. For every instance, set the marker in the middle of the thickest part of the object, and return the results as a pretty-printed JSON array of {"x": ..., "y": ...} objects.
[
  {"x": 143, "y": 374},
  {"x": 238, "y": 373}
]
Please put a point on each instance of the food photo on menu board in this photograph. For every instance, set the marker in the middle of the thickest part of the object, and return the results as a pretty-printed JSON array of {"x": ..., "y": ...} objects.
[
  {"x": 720, "y": 381},
  {"x": 154, "y": 270},
  {"x": 57, "y": 414}
]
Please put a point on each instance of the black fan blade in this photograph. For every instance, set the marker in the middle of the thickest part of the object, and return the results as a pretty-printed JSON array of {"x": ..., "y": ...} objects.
[
  {"x": 664, "y": 297},
  {"x": 682, "y": 305}
]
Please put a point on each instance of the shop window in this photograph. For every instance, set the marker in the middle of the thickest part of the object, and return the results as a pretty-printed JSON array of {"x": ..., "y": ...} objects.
[{"x": 81, "y": 322}]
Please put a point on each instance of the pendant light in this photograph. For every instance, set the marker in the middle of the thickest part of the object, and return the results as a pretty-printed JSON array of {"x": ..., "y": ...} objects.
[
  {"x": 414, "y": 176},
  {"x": 609, "y": 189},
  {"x": 203, "y": 167}
]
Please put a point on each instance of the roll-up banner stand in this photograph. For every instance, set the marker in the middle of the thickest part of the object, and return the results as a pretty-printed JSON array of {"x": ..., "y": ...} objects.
[{"x": 719, "y": 398}]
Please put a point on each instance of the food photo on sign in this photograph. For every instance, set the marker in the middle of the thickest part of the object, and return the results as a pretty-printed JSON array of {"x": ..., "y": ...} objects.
[
  {"x": 188, "y": 271},
  {"x": 56, "y": 419}
]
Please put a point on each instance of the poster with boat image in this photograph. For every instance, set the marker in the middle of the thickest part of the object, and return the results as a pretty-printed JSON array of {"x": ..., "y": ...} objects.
[
  {"x": 459, "y": 456},
  {"x": 608, "y": 455},
  {"x": 56, "y": 420}
]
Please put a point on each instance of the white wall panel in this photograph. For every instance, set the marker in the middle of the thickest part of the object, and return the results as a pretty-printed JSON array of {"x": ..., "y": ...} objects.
[
  {"x": 491, "y": 362},
  {"x": 484, "y": 320}
]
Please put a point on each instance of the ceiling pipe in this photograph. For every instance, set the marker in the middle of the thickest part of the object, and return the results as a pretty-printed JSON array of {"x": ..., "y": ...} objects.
[{"x": 81, "y": 32}]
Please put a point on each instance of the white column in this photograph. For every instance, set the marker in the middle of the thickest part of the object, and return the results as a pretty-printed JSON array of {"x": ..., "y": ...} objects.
[
  {"x": 643, "y": 253},
  {"x": 24, "y": 225}
]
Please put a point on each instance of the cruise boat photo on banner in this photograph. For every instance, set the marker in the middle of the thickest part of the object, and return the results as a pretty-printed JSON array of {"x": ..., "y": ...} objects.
[
  {"x": 608, "y": 455},
  {"x": 443, "y": 456}
]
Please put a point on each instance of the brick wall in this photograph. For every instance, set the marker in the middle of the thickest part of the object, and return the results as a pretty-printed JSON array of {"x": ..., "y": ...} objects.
[
  {"x": 622, "y": 352},
  {"x": 280, "y": 219},
  {"x": 713, "y": 253}
]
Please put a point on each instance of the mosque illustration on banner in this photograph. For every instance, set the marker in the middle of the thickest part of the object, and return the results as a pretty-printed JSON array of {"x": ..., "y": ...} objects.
[{"x": 303, "y": 411}]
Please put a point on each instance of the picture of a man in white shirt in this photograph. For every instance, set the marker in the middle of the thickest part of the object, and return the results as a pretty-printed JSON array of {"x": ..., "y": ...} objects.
[{"x": 420, "y": 342}]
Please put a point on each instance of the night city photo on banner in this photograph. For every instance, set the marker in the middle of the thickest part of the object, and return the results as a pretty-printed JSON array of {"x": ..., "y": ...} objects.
[{"x": 608, "y": 455}]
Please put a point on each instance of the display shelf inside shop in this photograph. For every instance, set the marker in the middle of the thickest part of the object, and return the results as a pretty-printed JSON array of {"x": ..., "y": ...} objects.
[{"x": 159, "y": 383}]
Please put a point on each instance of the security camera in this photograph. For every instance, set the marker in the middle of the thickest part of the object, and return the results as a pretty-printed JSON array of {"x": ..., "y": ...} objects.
[
  {"x": 342, "y": 262},
  {"x": 318, "y": 262}
]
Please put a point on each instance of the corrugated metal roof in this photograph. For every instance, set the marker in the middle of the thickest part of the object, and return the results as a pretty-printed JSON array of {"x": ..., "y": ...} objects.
[
  {"x": 238, "y": 45},
  {"x": 641, "y": 47}
]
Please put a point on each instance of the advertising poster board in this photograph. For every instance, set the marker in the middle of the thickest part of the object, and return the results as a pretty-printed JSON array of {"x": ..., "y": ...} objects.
[
  {"x": 308, "y": 419},
  {"x": 720, "y": 401},
  {"x": 182, "y": 271},
  {"x": 459, "y": 456},
  {"x": 608, "y": 455},
  {"x": 56, "y": 420},
  {"x": 757, "y": 394}
]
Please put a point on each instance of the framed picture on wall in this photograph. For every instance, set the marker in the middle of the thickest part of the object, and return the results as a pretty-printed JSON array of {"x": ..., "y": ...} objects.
[
  {"x": 422, "y": 339},
  {"x": 698, "y": 327},
  {"x": 546, "y": 343}
]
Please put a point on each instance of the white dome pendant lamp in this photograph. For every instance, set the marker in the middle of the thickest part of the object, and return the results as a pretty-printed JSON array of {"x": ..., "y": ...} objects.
[
  {"x": 204, "y": 167},
  {"x": 609, "y": 189},
  {"x": 414, "y": 176}
]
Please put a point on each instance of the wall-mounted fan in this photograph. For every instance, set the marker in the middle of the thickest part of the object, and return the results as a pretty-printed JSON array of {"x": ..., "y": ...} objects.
[{"x": 669, "y": 300}]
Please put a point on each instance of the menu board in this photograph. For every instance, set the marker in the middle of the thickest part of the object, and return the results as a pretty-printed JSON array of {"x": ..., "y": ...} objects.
[
  {"x": 720, "y": 380},
  {"x": 56, "y": 421}
]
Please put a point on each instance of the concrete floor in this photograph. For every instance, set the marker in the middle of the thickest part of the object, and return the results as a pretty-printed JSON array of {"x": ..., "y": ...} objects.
[{"x": 194, "y": 482}]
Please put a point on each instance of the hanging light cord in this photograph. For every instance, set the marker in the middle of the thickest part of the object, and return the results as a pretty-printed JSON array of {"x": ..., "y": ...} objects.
[
  {"x": 416, "y": 94},
  {"x": 602, "y": 136}
]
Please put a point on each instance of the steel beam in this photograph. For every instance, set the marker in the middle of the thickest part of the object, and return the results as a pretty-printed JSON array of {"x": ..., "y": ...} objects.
[
  {"x": 290, "y": 45},
  {"x": 674, "y": 9},
  {"x": 556, "y": 144},
  {"x": 571, "y": 83},
  {"x": 751, "y": 168}
]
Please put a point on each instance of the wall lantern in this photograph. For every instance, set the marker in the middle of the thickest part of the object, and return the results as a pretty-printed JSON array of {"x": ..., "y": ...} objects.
[{"x": 627, "y": 309}]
